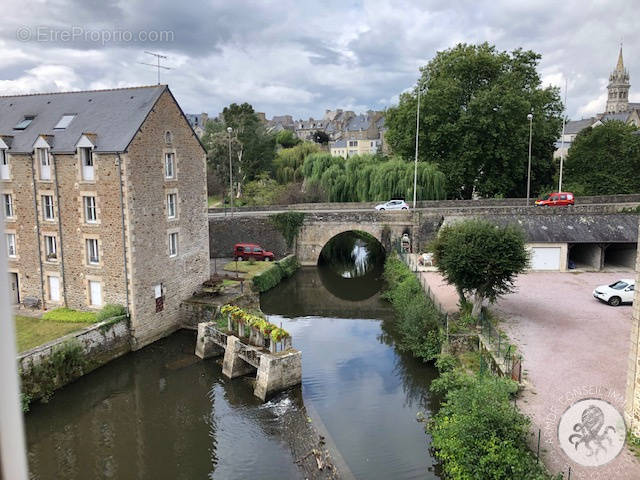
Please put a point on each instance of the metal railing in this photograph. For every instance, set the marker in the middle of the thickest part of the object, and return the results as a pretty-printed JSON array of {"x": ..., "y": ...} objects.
[{"x": 501, "y": 349}]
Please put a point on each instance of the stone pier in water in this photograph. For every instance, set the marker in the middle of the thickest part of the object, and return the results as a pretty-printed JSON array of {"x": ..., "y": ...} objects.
[{"x": 276, "y": 371}]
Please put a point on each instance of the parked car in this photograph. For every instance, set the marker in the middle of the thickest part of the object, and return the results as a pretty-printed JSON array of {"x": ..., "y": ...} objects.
[
  {"x": 246, "y": 251},
  {"x": 393, "y": 205},
  {"x": 556, "y": 199},
  {"x": 617, "y": 293}
]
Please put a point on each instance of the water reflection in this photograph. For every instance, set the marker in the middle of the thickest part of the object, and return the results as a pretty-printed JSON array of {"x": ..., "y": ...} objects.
[{"x": 352, "y": 254}]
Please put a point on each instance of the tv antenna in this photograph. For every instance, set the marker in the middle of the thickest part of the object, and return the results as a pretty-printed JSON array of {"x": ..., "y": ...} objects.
[{"x": 156, "y": 65}]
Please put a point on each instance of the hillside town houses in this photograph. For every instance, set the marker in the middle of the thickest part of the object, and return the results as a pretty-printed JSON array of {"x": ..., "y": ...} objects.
[{"x": 104, "y": 198}]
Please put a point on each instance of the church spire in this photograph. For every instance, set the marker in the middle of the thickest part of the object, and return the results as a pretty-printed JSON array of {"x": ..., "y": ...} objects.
[
  {"x": 618, "y": 96},
  {"x": 620, "y": 66}
]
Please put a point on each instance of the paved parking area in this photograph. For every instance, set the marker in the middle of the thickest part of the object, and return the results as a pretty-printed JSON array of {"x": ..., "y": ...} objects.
[{"x": 574, "y": 347}]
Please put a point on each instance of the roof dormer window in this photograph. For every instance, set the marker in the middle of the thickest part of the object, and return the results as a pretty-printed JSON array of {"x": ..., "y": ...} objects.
[
  {"x": 24, "y": 123},
  {"x": 64, "y": 122}
]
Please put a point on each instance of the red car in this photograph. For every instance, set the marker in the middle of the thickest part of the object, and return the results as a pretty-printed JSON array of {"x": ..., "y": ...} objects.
[
  {"x": 246, "y": 251},
  {"x": 556, "y": 199}
]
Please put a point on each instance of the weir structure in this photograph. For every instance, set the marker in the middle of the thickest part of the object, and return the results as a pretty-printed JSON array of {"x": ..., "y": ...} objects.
[{"x": 276, "y": 371}]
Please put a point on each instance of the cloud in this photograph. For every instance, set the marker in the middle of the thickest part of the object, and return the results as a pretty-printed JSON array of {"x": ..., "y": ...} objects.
[{"x": 302, "y": 57}]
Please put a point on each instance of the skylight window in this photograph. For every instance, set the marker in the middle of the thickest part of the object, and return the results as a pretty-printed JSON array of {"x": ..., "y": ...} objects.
[
  {"x": 24, "y": 123},
  {"x": 64, "y": 121}
]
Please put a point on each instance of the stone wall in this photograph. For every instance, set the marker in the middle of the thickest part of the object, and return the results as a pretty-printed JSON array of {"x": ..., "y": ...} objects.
[
  {"x": 632, "y": 399},
  {"x": 101, "y": 343},
  {"x": 225, "y": 232},
  {"x": 149, "y": 227}
]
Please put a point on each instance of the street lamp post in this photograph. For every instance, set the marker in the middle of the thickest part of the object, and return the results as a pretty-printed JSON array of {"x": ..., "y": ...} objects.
[
  {"x": 415, "y": 163},
  {"x": 530, "y": 118},
  {"x": 229, "y": 130}
]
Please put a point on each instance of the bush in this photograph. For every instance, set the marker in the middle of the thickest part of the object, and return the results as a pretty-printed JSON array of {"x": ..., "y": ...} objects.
[
  {"x": 288, "y": 224},
  {"x": 70, "y": 316},
  {"x": 110, "y": 310},
  {"x": 418, "y": 319},
  {"x": 268, "y": 279},
  {"x": 477, "y": 433},
  {"x": 289, "y": 265}
]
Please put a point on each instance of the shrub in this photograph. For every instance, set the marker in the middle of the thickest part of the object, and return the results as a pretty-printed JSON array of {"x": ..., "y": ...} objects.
[
  {"x": 288, "y": 224},
  {"x": 110, "y": 310},
  {"x": 70, "y": 316},
  {"x": 418, "y": 319},
  {"x": 477, "y": 433},
  {"x": 289, "y": 265},
  {"x": 268, "y": 279}
]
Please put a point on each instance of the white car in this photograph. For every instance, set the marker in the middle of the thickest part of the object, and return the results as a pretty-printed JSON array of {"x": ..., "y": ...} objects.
[
  {"x": 616, "y": 293},
  {"x": 393, "y": 205}
]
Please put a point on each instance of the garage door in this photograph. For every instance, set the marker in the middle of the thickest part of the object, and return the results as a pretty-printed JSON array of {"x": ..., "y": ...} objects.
[{"x": 545, "y": 258}]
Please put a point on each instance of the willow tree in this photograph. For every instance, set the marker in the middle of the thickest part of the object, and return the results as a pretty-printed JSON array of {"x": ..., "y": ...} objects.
[{"x": 288, "y": 163}]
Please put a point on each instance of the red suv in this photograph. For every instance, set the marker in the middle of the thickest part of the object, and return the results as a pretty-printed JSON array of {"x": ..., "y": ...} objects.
[
  {"x": 556, "y": 199},
  {"x": 245, "y": 251}
]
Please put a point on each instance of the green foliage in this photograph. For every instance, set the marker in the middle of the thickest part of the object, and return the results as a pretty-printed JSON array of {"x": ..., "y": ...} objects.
[
  {"x": 418, "y": 318},
  {"x": 273, "y": 276},
  {"x": 262, "y": 191},
  {"x": 287, "y": 165},
  {"x": 64, "y": 314},
  {"x": 66, "y": 363},
  {"x": 287, "y": 139},
  {"x": 604, "y": 160},
  {"x": 288, "y": 224},
  {"x": 110, "y": 310},
  {"x": 479, "y": 257},
  {"x": 473, "y": 121},
  {"x": 478, "y": 434},
  {"x": 363, "y": 178},
  {"x": 320, "y": 137}
]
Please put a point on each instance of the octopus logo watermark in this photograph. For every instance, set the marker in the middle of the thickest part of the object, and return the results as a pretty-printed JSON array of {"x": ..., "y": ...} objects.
[{"x": 592, "y": 432}]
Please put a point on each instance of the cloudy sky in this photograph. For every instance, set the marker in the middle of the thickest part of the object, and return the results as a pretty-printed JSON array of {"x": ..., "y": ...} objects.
[{"x": 302, "y": 57}]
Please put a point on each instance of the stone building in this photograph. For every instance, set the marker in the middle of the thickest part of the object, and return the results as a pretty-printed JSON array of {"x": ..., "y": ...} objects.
[
  {"x": 198, "y": 122},
  {"x": 104, "y": 194}
]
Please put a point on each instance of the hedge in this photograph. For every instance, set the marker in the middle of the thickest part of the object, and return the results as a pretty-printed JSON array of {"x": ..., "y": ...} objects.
[
  {"x": 64, "y": 314},
  {"x": 273, "y": 276},
  {"x": 110, "y": 310}
]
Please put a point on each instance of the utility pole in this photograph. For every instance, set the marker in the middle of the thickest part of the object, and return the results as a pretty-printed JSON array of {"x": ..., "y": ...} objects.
[
  {"x": 564, "y": 118},
  {"x": 415, "y": 163},
  {"x": 156, "y": 65},
  {"x": 530, "y": 117},
  {"x": 229, "y": 130}
]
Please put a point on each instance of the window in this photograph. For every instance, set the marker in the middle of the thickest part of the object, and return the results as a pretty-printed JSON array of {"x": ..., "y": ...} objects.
[
  {"x": 353, "y": 143},
  {"x": 173, "y": 244},
  {"x": 47, "y": 207},
  {"x": 11, "y": 244},
  {"x": 172, "y": 199},
  {"x": 4, "y": 164},
  {"x": 158, "y": 291},
  {"x": 54, "y": 288},
  {"x": 86, "y": 159},
  {"x": 50, "y": 247},
  {"x": 169, "y": 164},
  {"x": 90, "y": 213},
  {"x": 45, "y": 163},
  {"x": 93, "y": 257},
  {"x": 95, "y": 293},
  {"x": 168, "y": 137},
  {"x": 8, "y": 205},
  {"x": 24, "y": 123},
  {"x": 257, "y": 249},
  {"x": 64, "y": 121}
]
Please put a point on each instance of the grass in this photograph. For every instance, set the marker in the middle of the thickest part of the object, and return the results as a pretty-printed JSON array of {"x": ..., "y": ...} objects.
[
  {"x": 248, "y": 268},
  {"x": 31, "y": 332},
  {"x": 214, "y": 202},
  {"x": 229, "y": 283}
]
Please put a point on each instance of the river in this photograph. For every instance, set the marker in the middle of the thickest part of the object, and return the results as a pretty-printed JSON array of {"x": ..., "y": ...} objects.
[{"x": 161, "y": 413}]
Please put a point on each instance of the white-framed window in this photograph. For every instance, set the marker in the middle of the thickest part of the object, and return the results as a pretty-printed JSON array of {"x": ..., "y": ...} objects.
[
  {"x": 86, "y": 160},
  {"x": 44, "y": 162},
  {"x": 64, "y": 121},
  {"x": 7, "y": 201},
  {"x": 169, "y": 165},
  {"x": 47, "y": 207},
  {"x": 95, "y": 293},
  {"x": 50, "y": 247},
  {"x": 4, "y": 164},
  {"x": 173, "y": 244},
  {"x": 93, "y": 255},
  {"x": 90, "y": 212},
  {"x": 172, "y": 205},
  {"x": 353, "y": 143},
  {"x": 11, "y": 244},
  {"x": 54, "y": 288}
]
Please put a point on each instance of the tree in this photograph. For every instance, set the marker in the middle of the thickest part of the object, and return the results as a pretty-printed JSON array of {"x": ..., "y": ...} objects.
[
  {"x": 252, "y": 149},
  {"x": 287, "y": 165},
  {"x": 604, "y": 160},
  {"x": 473, "y": 121},
  {"x": 480, "y": 259},
  {"x": 287, "y": 139},
  {"x": 320, "y": 137}
]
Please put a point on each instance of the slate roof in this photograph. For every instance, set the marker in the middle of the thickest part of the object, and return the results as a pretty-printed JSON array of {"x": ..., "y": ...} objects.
[
  {"x": 621, "y": 117},
  {"x": 195, "y": 119},
  {"x": 574, "y": 228},
  {"x": 576, "y": 126},
  {"x": 359, "y": 122},
  {"x": 339, "y": 144},
  {"x": 113, "y": 115}
]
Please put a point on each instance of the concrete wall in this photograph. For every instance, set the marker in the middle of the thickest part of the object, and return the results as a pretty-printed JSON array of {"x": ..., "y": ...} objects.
[
  {"x": 563, "y": 251},
  {"x": 225, "y": 232},
  {"x": 586, "y": 255},
  {"x": 149, "y": 227},
  {"x": 620, "y": 255}
]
